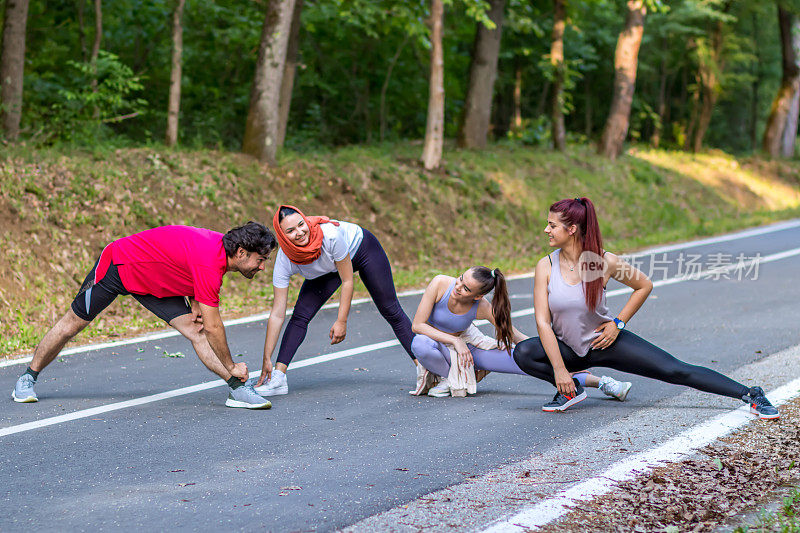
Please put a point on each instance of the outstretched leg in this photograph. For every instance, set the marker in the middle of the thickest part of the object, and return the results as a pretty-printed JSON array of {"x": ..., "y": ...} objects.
[
  {"x": 632, "y": 354},
  {"x": 54, "y": 340},
  {"x": 375, "y": 271}
]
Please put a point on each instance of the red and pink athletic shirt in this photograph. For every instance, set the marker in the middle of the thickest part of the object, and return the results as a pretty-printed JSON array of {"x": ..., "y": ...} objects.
[{"x": 169, "y": 261}]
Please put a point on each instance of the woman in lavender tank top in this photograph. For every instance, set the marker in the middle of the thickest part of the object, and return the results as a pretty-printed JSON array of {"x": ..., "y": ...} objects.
[
  {"x": 447, "y": 310},
  {"x": 577, "y": 331}
]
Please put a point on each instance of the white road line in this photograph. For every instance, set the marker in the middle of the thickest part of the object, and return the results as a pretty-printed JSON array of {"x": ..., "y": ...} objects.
[
  {"x": 754, "y": 232},
  {"x": 93, "y": 411},
  {"x": 674, "y": 449},
  {"x": 329, "y": 357},
  {"x": 772, "y": 228}
]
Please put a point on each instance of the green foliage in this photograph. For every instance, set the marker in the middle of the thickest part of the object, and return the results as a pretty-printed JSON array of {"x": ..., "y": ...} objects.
[
  {"x": 76, "y": 109},
  {"x": 343, "y": 91}
]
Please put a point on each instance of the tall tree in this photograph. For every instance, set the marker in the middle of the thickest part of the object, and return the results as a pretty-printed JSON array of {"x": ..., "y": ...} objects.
[
  {"x": 385, "y": 88},
  {"x": 779, "y": 115},
  {"x": 82, "y": 30},
  {"x": 12, "y": 66},
  {"x": 174, "y": 106},
  {"x": 434, "y": 130},
  {"x": 98, "y": 37},
  {"x": 261, "y": 130},
  {"x": 626, "y": 59},
  {"x": 482, "y": 75},
  {"x": 709, "y": 74},
  {"x": 289, "y": 69},
  {"x": 557, "y": 64}
]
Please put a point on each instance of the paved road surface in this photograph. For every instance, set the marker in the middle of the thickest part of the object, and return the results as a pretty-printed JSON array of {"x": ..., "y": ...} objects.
[{"x": 348, "y": 441}]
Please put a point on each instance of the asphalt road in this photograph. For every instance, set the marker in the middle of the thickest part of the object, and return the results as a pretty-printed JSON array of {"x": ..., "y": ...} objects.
[{"x": 348, "y": 441}]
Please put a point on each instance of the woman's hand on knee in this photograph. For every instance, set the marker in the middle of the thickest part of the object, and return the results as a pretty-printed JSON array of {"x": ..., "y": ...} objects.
[{"x": 463, "y": 352}]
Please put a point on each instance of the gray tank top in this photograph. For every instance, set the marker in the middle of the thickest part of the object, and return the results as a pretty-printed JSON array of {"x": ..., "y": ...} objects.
[
  {"x": 445, "y": 320},
  {"x": 573, "y": 322}
]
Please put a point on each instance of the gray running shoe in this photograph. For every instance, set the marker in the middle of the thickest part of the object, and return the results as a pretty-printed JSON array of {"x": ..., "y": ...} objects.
[
  {"x": 247, "y": 398},
  {"x": 561, "y": 402},
  {"x": 615, "y": 389},
  {"x": 759, "y": 405},
  {"x": 23, "y": 390}
]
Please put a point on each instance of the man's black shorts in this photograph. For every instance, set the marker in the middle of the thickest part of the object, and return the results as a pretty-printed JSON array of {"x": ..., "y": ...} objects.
[{"x": 94, "y": 297}]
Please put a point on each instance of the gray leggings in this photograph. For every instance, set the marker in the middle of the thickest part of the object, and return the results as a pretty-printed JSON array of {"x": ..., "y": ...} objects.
[{"x": 435, "y": 356}]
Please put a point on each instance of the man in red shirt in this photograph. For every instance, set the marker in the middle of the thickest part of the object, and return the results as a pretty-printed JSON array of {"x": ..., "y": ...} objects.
[{"x": 163, "y": 268}]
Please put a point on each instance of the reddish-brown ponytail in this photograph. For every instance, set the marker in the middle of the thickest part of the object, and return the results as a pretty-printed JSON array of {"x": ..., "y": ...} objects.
[{"x": 580, "y": 212}]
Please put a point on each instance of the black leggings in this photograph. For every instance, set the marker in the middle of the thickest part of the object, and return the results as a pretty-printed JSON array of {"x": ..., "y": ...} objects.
[
  {"x": 632, "y": 354},
  {"x": 373, "y": 266}
]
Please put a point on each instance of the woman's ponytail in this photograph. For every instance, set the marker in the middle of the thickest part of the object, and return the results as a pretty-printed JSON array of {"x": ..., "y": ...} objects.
[
  {"x": 501, "y": 303},
  {"x": 501, "y": 309},
  {"x": 580, "y": 212}
]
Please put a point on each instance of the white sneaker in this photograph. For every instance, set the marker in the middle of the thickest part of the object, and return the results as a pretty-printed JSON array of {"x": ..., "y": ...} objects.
[
  {"x": 277, "y": 385},
  {"x": 615, "y": 389},
  {"x": 441, "y": 390},
  {"x": 420, "y": 379}
]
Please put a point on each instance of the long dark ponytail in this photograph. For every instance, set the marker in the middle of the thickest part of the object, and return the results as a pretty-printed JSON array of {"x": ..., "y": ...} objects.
[
  {"x": 501, "y": 304},
  {"x": 580, "y": 212}
]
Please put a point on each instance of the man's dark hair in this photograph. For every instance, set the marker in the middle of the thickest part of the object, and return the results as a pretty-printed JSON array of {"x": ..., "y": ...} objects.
[{"x": 252, "y": 237}]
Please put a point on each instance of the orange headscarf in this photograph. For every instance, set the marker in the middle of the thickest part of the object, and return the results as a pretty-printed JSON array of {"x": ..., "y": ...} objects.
[{"x": 301, "y": 255}]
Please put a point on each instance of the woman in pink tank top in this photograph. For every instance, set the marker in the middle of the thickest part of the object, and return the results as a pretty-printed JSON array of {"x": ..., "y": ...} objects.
[{"x": 576, "y": 330}]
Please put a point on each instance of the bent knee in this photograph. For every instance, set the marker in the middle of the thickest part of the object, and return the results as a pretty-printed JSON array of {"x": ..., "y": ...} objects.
[
  {"x": 72, "y": 324},
  {"x": 422, "y": 345},
  {"x": 529, "y": 350}
]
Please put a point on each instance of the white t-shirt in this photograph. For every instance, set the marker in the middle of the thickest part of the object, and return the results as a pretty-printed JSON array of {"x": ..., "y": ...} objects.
[{"x": 337, "y": 243}]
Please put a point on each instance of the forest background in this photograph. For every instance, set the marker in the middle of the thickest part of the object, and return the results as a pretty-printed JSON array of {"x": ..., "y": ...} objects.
[{"x": 445, "y": 126}]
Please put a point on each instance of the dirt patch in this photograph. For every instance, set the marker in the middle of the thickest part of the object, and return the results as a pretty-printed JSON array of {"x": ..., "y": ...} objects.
[{"x": 698, "y": 494}]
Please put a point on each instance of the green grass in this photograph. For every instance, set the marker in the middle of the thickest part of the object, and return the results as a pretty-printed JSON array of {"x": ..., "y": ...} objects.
[
  {"x": 59, "y": 208},
  {"x": 786, "y": 519}
]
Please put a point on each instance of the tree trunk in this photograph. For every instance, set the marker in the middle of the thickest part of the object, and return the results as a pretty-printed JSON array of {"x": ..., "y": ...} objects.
[
  {"x": 174, "y": 106},
  {"x": 710, "y": 71},
  {"x": 790, "y": 130},
  {"x": 756, "y": 85},
  {"x": 693, "y": 116},
  {"x": 781, "y": 106},
  {"x": 98, "y": 37},
  {"x": 434, "y": 131},
  {"x": 707, "y": 101},
  {"x": 557, "y": 64},
  {"x": 482, "y": 75},
  {"x": 661, "y": 106},
  {"x": 289, "y": 69},
  {"x": 261, "y": 130},
  {"x": 82, "y": 30},
  {"x": 626, "y": 58},
  {"x": 587, "y": 107},
  {"x": 385, "y": 87},
  {"x": 12, "y": 66},
  {"x": 517, "y": 124},
  {"x": 541, "y": 106}
]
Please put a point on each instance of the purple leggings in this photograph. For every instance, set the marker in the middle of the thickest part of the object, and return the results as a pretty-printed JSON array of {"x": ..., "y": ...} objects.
[
  {"x": 371, "y": 263},
  {"x": 435, "y": 357}
]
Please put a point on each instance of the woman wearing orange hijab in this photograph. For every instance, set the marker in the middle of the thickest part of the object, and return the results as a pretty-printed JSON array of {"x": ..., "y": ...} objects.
[{"x": 326, "y": 253}]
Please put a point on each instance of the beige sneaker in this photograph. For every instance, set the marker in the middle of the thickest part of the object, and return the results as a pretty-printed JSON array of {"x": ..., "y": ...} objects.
[
  {"x": 441, "y": 390},
  {"x": 425, "y": 380}
]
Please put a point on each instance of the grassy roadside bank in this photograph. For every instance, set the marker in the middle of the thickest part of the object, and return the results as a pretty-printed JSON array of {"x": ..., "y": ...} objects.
[{"x": 58, "y": 210}]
